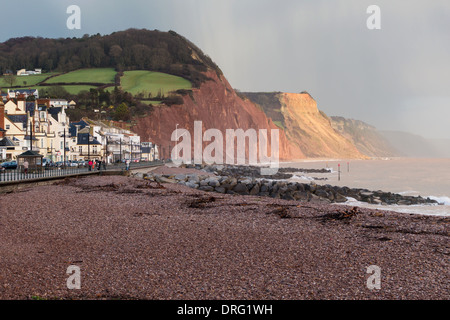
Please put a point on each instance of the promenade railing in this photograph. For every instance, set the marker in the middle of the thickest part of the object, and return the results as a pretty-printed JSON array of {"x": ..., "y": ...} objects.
[{"x": 9, "y": 175}]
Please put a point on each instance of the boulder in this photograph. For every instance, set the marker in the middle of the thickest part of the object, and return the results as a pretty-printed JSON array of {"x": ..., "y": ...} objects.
[
  {"x": 213, "y": 182},
  {"x": 165, "y": 180},
  {"x": 191, "y": 184},
  {"x": 206, "y": 188},
  {"x": 255, "y": 190},
  {"x": 241, "y": 188},
  {"x": 220, "y": 190},
  {"x": 180, "y": 177},
  {"x": 340, "y": 198}
]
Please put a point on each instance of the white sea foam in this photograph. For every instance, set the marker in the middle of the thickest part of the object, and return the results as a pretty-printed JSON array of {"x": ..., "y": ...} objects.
[
  {"x": 422, "y": 209},
  {"x": 442, "y": 200},
  {"x": 302, "y": 177}
]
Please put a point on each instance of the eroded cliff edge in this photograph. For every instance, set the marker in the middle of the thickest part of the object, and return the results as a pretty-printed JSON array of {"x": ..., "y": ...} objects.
[
  {"x": 305, "y": 126},
  {"x": 218, "y": 106}
]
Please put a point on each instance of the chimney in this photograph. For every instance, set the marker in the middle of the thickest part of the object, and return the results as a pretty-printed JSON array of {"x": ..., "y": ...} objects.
[
  {"x": 21, "y": 102},
  {"x": 2, "y": 118}
]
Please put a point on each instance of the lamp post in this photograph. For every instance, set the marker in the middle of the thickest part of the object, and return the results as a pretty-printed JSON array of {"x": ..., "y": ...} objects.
[
  {"x": 131, "y": 149},
  {"x": 120, "y": 156},
  {"x": 31, "y": 134},
  {"x": 64, "y": 146},
  {"x": 89, "y": 149}
]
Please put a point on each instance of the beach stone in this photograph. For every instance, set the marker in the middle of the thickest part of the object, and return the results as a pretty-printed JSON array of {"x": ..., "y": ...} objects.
[
  {"x": 227, "y": 186},
  {"x": 165, "y": 180},
  {"x": 366, "y": 194},
  {"x": 206, "y": 188},
  {"x": 246, "y": 181},
  {"x": 213, "y": 182},
  {"x": 340, "y": 198},
  {"x": 193, "y": 177},
  {"x": 233, "y": 182},
  {"x": 321, "y": 193},
  {"x": 287, "y": 196},
  {"x": 139, "y": 175},
  {"x": 297, "y": 195},
  {"x": 275, "y": 195},
  {"x": 241, "y": 188},
  {"x": 220, "y": 190},
  {"x": 180, "y": 177},
  {"x": 376, "y": 201},
  {"x": 255, "y": 190},
  {"x": 191, "y": 185}
]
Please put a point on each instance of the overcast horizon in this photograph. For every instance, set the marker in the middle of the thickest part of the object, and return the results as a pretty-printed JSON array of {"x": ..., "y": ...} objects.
[{"x": 396, "y": 78}]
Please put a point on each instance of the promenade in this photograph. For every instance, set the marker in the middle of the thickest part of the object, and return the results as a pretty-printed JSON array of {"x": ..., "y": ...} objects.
[{"x": 10, "y": 177}]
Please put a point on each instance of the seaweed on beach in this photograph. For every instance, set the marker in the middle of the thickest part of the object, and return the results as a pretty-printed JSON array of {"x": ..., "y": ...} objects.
[
  {"x": 341, "y": 215},
  {"x": 200, "y": 203},
  {"x": 282, "y": 212},
  {"x": 149, "y": 185}
]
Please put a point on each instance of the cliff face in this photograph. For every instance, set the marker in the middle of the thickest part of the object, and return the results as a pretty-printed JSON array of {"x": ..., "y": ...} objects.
[
  {"x": 311, "y": 130},
  {"x": 218, "y": 106},
  {"x": 365, "y": 137}
]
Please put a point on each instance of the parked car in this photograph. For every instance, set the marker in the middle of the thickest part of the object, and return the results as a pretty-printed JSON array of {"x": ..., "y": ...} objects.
[
  {"x": 12, "y": 165},
  {"x": 47, "y": 163},
  {"x": 59, "y": 164},
  {"x": 72, "y": 163}
]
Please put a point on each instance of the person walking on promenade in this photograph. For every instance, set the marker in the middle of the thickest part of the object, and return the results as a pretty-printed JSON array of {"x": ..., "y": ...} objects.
[
  {"x": 90, "y": 165},
  {"x": 25, "y": 167},
  {"x": 128, "y": 164}
]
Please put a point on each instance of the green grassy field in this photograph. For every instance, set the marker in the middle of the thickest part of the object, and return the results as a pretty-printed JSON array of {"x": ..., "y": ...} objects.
[
  {"x": 71, "y": 89},
  {"x": 135, "y": 82},
  {"x": 100, "y": 75},
  {"x": 30, "y": 80},
  {"x": 146, "y": 82}
]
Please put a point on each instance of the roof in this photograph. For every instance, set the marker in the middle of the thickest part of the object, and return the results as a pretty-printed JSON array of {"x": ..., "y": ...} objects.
[
  {"x": 30, "y": 154},
  {"x": 83, "y": 139},
  {"x": 6, "y": 142},
  {"x": 29, "y": 107},
  {"x": 21, "y": 118},
  {"x": 73, "y": 128},
  {"x": 55, "y": 111}
]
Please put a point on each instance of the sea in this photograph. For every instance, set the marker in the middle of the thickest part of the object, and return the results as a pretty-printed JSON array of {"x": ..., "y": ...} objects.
[{"x": 405, "y": 176}]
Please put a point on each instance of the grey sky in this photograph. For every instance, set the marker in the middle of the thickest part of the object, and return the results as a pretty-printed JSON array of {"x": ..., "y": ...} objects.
[{"x": 395, "y": 78}]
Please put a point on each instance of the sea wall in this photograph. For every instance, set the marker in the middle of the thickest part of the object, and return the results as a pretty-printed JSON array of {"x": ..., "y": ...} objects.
[{"x": 247, "y": 181}]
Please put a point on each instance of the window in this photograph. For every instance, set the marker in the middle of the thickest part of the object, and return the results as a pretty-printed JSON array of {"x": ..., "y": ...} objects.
[
  {"x": 80, "y": 149},
  {"x": 7, "y": 127}
]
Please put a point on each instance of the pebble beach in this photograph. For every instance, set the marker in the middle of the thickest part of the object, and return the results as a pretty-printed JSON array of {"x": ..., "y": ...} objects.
[{"x": 138, "y": 239}]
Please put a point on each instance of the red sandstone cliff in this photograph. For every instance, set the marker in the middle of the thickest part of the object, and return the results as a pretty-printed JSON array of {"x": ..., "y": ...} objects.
[{"x": 218, "y": 106}]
